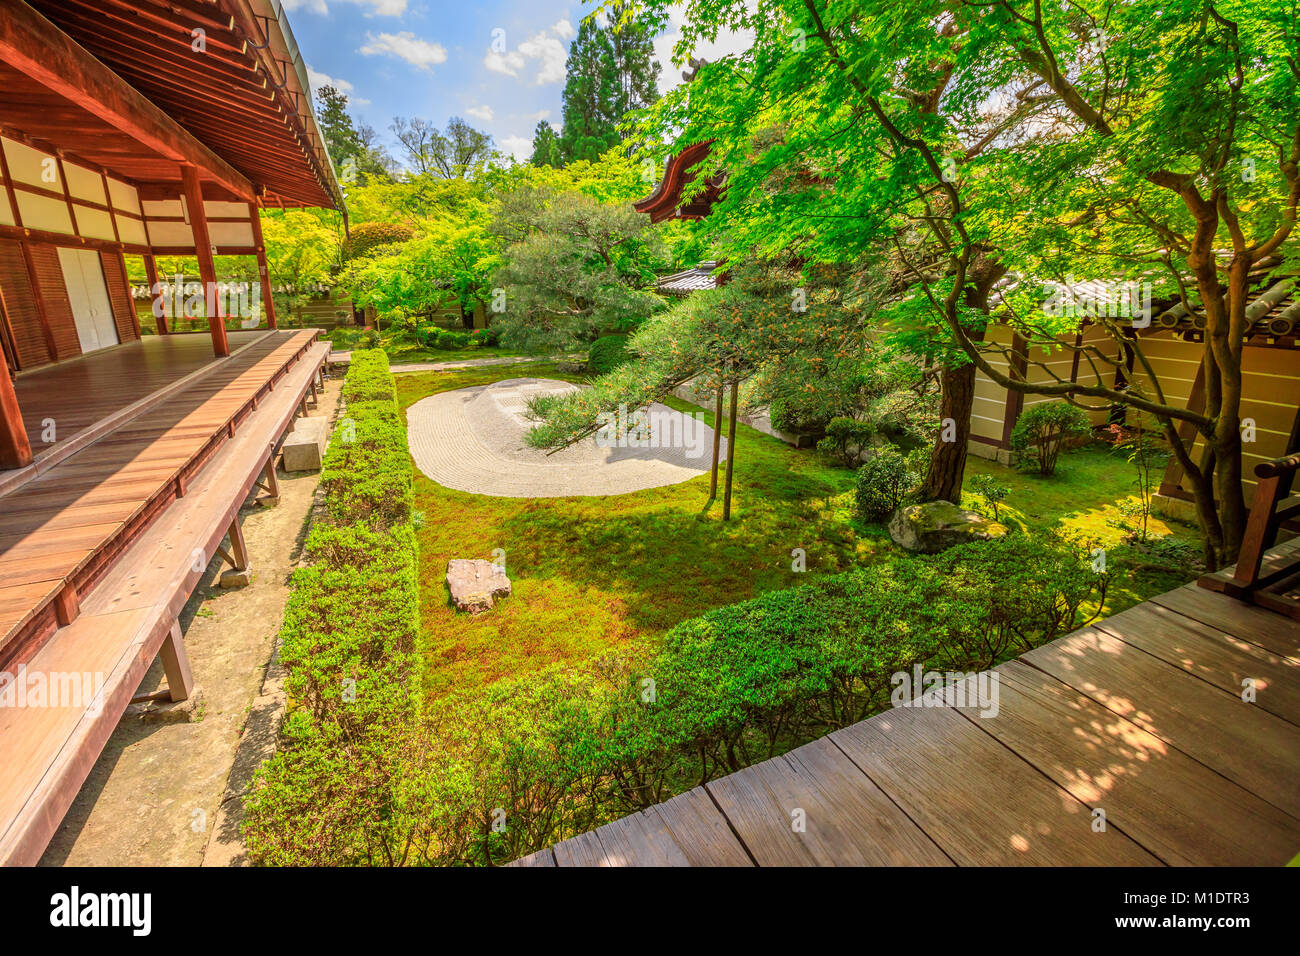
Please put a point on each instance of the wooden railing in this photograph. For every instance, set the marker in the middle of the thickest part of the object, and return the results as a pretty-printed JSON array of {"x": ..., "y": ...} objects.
[{"x": 1262, "y": 572}]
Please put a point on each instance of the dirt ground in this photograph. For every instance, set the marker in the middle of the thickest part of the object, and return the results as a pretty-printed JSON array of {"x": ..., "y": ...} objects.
[{"x": 165, "y": 791}]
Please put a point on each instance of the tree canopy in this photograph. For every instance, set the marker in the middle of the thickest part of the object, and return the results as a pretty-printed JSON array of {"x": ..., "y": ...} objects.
[{"x": 976, "y": 140}]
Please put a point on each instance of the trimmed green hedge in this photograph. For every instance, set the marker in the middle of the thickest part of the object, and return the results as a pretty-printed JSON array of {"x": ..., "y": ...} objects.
[
  {"x": 368, "y": 378},
  {"x": 349, "y": 644},
  {"x": 488, "y": 775}
]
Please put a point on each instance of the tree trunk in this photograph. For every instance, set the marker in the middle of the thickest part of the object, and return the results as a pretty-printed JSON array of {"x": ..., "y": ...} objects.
[
  {"x": 717, "y": 442},
  {"x": 943, "y": 479},
  {"x": 731, "y": 450}
]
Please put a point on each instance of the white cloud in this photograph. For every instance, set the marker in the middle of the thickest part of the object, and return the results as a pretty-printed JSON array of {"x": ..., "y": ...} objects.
[
  {"x": 483, "y": 112},
  {"x": 318, "y": 79},
  {"x": 546, "y": 49},
  {"x": 405, "y": 46},
  {"x": 541, "y": 115},
  {"x": 520, "y": 147},
  {"x": 375, "y": 8},
  {"x": 509, "y": 63}
]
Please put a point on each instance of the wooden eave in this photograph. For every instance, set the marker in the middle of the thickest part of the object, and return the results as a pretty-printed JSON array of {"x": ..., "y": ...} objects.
[
  {"x": 54, "y": 89},
  {"x": 240, "y": 97},
  {"x": 665, "y": 202}
]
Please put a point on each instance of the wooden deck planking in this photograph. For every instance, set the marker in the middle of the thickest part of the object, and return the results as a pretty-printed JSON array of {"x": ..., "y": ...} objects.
[
  {"x": 1140, "y": 716},
  {"x": 1179, "y": 809},
  {"x": 981, "y": 803},
  {"x": 1216, "y": 658},
  {"x": 124, "y": 619},
  {"x": 1242, "y": 741},
  {"x": 77, "y": 394},
  {"x": 847, "y": 819},
  {"x": 85, "y": 501},
  {"x": 1247, "y": 622}
]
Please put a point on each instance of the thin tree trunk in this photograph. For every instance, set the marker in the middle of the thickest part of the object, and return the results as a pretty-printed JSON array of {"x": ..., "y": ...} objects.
[
  {"x": 731, "y": 449},
  {"x": 943, "y": 479},
  {"x": 717, "y": 442}
]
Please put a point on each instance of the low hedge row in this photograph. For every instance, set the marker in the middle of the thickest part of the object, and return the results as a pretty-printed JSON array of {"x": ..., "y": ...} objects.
[
  {"x": 349, "y": 645},
  {"x": 368, "y": 378},
  {"x": 505, "y": 770}
]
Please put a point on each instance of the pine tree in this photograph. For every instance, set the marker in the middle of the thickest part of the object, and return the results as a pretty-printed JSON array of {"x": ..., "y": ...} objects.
[
  {"x": 354, "y": 151},
  {"x": 546, "y": 145},
  {"x": 611, "y": 70},
  {"x": 336, "y": 125}
]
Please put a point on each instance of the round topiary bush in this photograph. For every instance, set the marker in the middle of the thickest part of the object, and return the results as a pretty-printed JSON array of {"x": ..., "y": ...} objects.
[
  {"x": 366, "y": 237},
  {"x": 484, "y": 338},
  {"x": 883, "y": 484},
  {"x": 607, "y": 353}
]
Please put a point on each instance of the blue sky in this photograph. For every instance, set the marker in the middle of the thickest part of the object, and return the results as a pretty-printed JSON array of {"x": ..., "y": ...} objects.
[{"x": 497, "y": 63}]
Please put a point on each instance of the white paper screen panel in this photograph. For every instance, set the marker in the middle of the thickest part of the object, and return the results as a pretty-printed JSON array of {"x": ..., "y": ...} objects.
[
  {"x": 124, "y": 196},
  {"x": 44, "y": 212},
  {"x": 234, "y": 234},
  {"x": 85, "y": 183},
  {"x": 132, "y": 231}
]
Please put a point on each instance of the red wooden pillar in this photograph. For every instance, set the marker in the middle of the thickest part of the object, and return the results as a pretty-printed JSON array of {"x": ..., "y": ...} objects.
[
  {"x": 15, "y": 449},
  {"x": 268, "y": 306},
  {"x": 207, "y": 268},
  {"x": 159, "y": 298}
]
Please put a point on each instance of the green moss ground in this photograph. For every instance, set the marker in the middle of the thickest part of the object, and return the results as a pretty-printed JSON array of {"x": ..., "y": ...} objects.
[{"x": 590, "y": 574}]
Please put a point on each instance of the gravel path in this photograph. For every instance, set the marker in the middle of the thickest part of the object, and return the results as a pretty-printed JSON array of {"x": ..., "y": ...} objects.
[
  {"x": 465, "y": 363},
  {"x": 473, "y": 439}
]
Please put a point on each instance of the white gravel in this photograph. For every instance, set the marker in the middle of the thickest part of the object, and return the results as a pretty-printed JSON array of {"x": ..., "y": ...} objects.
[{"x": 473, "y": 439}]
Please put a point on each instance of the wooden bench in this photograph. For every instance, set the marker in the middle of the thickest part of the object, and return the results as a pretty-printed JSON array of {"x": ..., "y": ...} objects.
[{"x": 130, "y": 615}]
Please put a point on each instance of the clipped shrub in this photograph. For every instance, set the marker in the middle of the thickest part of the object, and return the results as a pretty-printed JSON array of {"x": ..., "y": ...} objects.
[
  {"x": 606, "y": 354},
  {"x": 451, "y": 341},
  {"x": 847, "y": 440},
  {"x": 332, "y": 793},
  {"x": 364, "y": 238},
  {"x": 484, "y": 338},
  {"x": 368, "y": 378},
  {"x": 882, "y": 485},
  {"x": 1042, "y": 431},
  {"x": 795, "y": 418}
]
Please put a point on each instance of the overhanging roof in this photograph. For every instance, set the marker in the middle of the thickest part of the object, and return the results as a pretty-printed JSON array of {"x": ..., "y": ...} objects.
[
  {"x": 665, "y": 202},
  {"x": 244, "y": 95}
]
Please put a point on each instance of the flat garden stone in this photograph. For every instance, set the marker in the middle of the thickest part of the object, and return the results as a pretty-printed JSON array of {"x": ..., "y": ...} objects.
[
  {"x": 937, "y": 525},
  {"x": 476, "y": 584},
  {"x": 304, "y": 447}
]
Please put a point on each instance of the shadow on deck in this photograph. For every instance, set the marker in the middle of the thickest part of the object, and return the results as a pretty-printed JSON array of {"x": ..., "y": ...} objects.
[{"x": 1168, "y": 734}]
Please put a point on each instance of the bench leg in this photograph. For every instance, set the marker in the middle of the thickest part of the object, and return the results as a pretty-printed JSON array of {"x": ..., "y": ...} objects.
[
  {"x": 67, "y": 605},
  {"x": 269, "y": 484},
  {"x": 176, "y": 665},
  {"x": 238, "y": 550},
  {"x": 239, "y": 573}
]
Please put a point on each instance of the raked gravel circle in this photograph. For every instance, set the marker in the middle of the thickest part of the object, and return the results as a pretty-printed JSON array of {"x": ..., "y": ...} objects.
[{"x": 473, "y": 439}]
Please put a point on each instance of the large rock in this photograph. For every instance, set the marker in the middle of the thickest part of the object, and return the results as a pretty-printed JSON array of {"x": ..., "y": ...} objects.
[
  {"x": 936, "y": 525},
  {"x": 476, "y": 584}
]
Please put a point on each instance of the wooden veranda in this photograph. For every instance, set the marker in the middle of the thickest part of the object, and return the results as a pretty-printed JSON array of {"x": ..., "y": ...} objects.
[
  {"x": 1168, "y": 734},
  {"x": 105, "y": 536}
]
